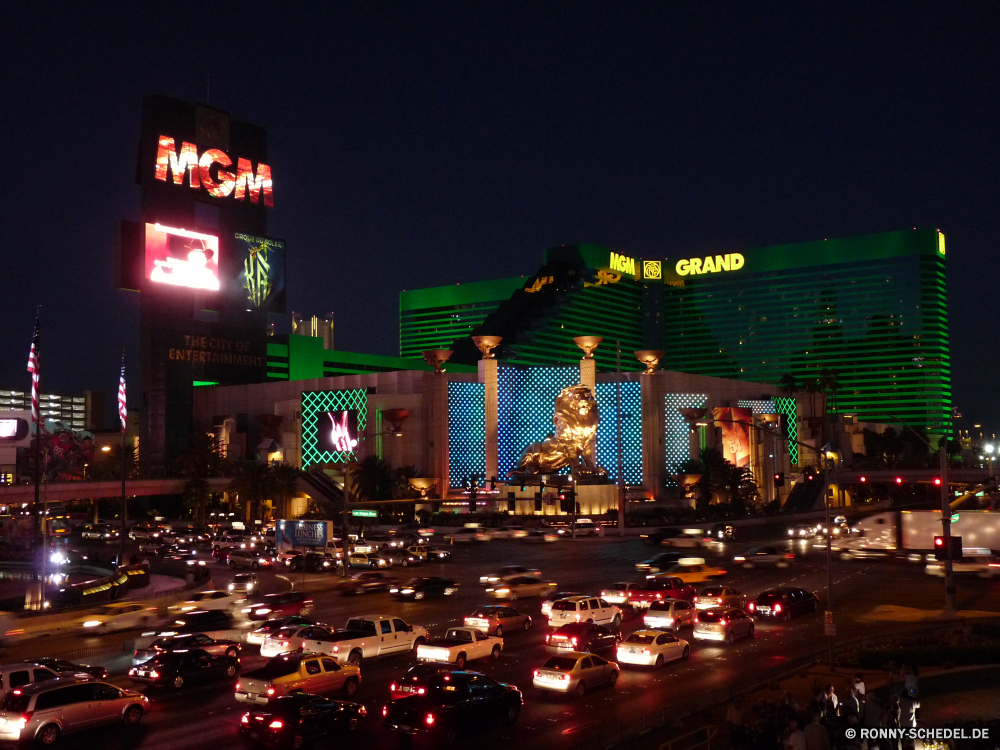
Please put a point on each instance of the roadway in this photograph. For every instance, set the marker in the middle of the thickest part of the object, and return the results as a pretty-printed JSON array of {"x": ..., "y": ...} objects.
[{"x": 206, "y": 715}]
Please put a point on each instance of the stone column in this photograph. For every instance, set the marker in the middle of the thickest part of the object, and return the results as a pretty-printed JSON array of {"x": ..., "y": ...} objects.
[
  {"x": 588, "y": 374},
  {"x": 489, "y": 373}
]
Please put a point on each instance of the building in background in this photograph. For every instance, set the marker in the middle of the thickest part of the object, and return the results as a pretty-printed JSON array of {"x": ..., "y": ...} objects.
[
  {"x": 866, "y": 314},
  {"x": 78, "y": 412}
]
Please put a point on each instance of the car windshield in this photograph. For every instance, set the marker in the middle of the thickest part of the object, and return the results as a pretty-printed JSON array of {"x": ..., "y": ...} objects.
[
  {"x": 769, "y": 598},
  {"x": 713, "y": 591},
  {"x": 108, "y": 610},
  {"x": 560, "y": 664},
  {"x": 415, "y": 582},
  {"x": 287, "y": 632},
  {"x": 277, "y": 667},
  {"x": 617, "y": 587},
  {"x": 658, "y": 584},
  {"x": 640, "y": 638},
  {"x": 484, "y": 612},
  {"x": 243, "y": 578},
  {"x": 660, "y": 606},
  {"x": 564, "y": 606},
  {"x": 15, "y": 702}
]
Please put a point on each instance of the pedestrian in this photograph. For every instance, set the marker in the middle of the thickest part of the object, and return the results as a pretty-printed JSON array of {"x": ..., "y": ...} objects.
[
  {"x": 736, "y": 721},
  {"x": 850, "y": 706},
  {"x": 859, "y": 686},
  {"x": 908, "y": 709},
  {"x": 890, "y": 720},
  {"x": 796, "y": 739},
  {"x": 816, "y": 735},
  {"x": 910, "y": 681},
  {"x": 827, "y": 701}
]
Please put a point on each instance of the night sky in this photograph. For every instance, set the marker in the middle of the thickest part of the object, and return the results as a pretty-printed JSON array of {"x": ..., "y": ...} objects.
[{"x": 416, "y": 144}]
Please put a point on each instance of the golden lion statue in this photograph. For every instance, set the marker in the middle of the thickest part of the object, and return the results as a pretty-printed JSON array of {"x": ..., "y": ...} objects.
[{"x": 574, "y": 442}]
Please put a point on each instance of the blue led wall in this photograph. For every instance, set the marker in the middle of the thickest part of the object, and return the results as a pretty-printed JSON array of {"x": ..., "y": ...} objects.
[
  {"x": 607, "y": 450},
  {"x": 676, "y": 437},
  {"x": 466, "y": 431},
  {"x": 527, "y": 400}
]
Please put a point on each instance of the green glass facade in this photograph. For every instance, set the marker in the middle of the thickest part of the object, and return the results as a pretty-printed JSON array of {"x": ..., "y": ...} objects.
[{"x": 873, "y": 310}]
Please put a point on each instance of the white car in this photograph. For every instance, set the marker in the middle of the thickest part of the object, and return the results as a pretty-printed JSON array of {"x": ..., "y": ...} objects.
[
  {"x": 617, "y": 593},
  {"x": 291, "y": 638},
  {"x": 117, "y": 616},
  {"x": 764, "y": 556},
  {"x": 652, "y": 648},
  {"x": 975, "y": 561},
  {"x": 669, "y": 614},
  {"x": 520, "y": 586},
  {"x": 206, "y": 600},
  {"x": 368, "y": 560},
  {"x": 584, "y": 609},
  {"x": 508, "y": 572}
]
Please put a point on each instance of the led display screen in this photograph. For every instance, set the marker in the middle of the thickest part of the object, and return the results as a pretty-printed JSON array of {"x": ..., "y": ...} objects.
[
  {"x": 337, "y": 431},
  {"x": 260, "y": 279},
  {"x": 180, "y": 257},
  {"x": 13, "y": 429}
]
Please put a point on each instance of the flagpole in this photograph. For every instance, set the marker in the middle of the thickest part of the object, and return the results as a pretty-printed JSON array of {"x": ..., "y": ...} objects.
[
  {"x": 33, "y": 367},
  {"x": 121, "y": 415}
]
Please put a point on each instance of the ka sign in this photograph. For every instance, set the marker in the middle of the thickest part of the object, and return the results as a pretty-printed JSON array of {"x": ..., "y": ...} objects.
[{"x": 211, "y": 171}]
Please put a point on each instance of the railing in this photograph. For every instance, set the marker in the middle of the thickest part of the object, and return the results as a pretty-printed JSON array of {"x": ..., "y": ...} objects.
[{"x": 709, "y": 731}]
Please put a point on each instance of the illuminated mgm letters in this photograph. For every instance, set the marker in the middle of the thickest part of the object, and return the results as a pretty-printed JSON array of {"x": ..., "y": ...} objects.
[
  {"x": 199, "y": 171},
  {"x": 622, "y": 264},
  {"x": 710, "y": 264}
]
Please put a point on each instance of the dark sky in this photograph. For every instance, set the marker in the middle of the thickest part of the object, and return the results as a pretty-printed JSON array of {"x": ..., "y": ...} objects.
[{"x": 416, "y": 144}]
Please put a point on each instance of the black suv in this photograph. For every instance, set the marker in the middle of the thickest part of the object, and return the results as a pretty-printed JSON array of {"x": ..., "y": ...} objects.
[{"x": 784, "y": 603}]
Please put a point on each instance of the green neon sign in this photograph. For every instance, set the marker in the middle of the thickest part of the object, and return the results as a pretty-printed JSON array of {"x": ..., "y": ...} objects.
[{"x": 365, "y": 513}]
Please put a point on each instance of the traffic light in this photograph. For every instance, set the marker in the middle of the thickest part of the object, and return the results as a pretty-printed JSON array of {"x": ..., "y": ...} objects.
[
  {"x": 779, "y": 479},
  {"x": 538, "y": 505},
  {"x": 511, "y": 506},
  {"x": 942, "y": 553},
  {"x": 567, "y": 501}
]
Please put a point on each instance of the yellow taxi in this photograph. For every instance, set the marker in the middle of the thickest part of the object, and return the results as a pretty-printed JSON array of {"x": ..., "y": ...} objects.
[{"x": 694, "y": 570}]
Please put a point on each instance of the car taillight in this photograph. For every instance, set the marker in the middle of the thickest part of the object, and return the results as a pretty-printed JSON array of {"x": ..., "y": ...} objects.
[
  {"x": 154, "y": 674},
  {"x": 385, "y": 710},
  {"x": 421, "y": 691},
  {"x": 270, "y": 691},
  {"x": 719, "y": 600},
  {"x": 573, "y": 641},
  {"x": 659, "y": 596},
  {"x": 777, "y": 607},
  {"x": 284, "y": 644},
  {"x": 564, "y": 677},
  {"x": 547, "y": 638},
  {"x": 429, "y": 720},
  {"x": 392, "y": 687},
  {"x": 24, "y": 718},
  {"x": 751, "y": 606},
  {"x": 645, "y": 652},
  {"x": 578, "y": 618},
  {"x": 237, "y": 686},
  {"x": 336, "y": 649},
  {"x": 535, "y": 673},
  {"x": 245, "y": 719},
  {"x": 697, "y": 620},
  {"x": 276, "y": 724},
  {"x": 722, "y": 622}
]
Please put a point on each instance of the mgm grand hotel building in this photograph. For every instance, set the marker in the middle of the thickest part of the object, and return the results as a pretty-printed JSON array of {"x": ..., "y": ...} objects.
[{"x": 729, "y": 329}]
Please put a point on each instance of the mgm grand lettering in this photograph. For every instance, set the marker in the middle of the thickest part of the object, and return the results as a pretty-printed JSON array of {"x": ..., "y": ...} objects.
[
  {"x": 622, "y": 264},
  {"x": 218, "y": 351},
  {"x": 709, "y": 264},
  {"x": 199, "y": 169}
]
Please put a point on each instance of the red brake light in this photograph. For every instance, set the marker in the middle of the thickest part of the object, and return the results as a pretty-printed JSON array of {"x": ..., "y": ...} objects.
[
  {"x": 573, "y": 641},
  {"x": 645, "y": 652},
  {"x": 696, "y": 619},
  {"x": 270, "y": 691},
  {"x": 385, "y": 710},
  {"x": 276, "y": 724},
  {"x": 392, "y": 687},
  {"x": 238, "y": 688},
  {"x": 429, "y": 720},
  {"x": 789, "y": 556},
  {"x": 336, "y": 649},
  {"x": 777, "y": 607},
  {"x": 245, "y": 719},
  {"x": 284, "y": 644},
  {"x": 752, "y": 606},
  {"x": 722, "y": 622},
  {"x": 719, "y": 600},
  {"x": 547, "y": 637},
  {"x": 154, "y": 674},
  {"x": 421, "y": 691},
  {"x": 535, "y": 673}
]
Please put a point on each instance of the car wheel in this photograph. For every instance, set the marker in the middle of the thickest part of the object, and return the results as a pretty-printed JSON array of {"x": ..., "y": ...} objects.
[
  {"x": 231, "y": 651},
  {"x": 687, "y": 651},
  {"x": 581, "y": 688},
  {"x": 298, "y": 741},
  {"x": 460, "y": 661},
  {"x": 527, "y": 624},
  {"x": 781, "y": 565},
  {"x": 495, "y": 653},
  {"x": 417, "y": 644},
  {"x": 419, "y": 595},
  {"x": 255, "y": 566},
  {"x": 659, "y": 661},
  {"x": 232, "y": 564},
  {"x": 788, "y": 614},
  {"x": 49, "y": 735},
  {"x": 350, "y": 687},
  {"x": 499, "y": 632},
  {"x": 815, "y": 606},
  {"x": 133, "y": 716},
  {"x": 405, "y": 563},
  {"x": 354, "y": 659},
  {"x": 373, "y": 566},
  {"x": 730, "y": 637},
  {"x": 750, "y": 632},
  {"x": 512, "y": 713},
  {"x": 612, "y": 679},
  {"x": 616, "y": 621},
  {"x": 231, "y": 670},
  {"x": 353, "y": 724},
  {"x": 177, "y": 682}
]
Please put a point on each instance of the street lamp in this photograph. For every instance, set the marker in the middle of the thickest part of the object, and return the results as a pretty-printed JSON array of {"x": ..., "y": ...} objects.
[{"x": 991, "y": 450}]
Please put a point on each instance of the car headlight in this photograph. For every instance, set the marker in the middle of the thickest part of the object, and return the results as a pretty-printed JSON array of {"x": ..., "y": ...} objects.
[
  {"x": 406, "y": 591},
  {"x": 91, "y": 623}
]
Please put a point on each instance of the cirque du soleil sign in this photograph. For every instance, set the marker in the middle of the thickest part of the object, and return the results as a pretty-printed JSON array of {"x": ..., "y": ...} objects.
[{"x": 218, "y": 182}]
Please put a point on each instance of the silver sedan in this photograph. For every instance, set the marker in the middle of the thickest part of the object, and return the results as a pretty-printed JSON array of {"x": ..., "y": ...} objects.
[
  {"x": 495, "y": 619},
  {"x": 519, "y": 587}
]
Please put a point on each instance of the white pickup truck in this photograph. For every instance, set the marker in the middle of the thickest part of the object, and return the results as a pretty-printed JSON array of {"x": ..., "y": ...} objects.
[
  {"x": 459, "y": 646},
  {"x": 368, "y": 636}
]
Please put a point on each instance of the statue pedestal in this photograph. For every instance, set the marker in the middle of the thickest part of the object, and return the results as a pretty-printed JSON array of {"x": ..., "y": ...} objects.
[{"x": 596, "y": 499}]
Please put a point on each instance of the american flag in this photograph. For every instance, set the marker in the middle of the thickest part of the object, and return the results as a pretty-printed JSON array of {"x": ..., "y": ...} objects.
[
  {"x": 35, "y": 369},
  {"x": 122, "y": 403}
]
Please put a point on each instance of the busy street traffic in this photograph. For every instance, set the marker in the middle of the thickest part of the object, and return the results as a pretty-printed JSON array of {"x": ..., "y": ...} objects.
[{"x": 596, "y": 601}]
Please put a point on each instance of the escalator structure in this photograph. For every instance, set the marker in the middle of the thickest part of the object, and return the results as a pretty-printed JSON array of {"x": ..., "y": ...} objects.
[
  {"x": 319, "y": 484},
  {"x": 805, "y": 496}
]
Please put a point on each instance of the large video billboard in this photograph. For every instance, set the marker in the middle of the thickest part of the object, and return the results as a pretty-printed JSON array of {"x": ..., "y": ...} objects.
[
  {"x": 180, "y": 257},
  {"x": 332, "y": 425},
  {"x": 260, "y": 273}
]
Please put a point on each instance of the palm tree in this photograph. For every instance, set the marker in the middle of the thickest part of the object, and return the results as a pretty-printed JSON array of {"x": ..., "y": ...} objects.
[
  {"x": 372, "y": 479},
  {"x": 401, "y": 477},
  {"x": 789, "y": 384},
  {"x": 284, "y": 481},
  {"x": 202, "y": 460},
  {"x": 196, "y": 497},
  {"x": 830, "y": 384},
  {"x": 252, "y": 485},
  {"x": 110, "y": 466}
]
